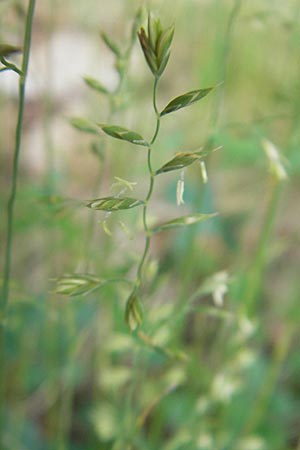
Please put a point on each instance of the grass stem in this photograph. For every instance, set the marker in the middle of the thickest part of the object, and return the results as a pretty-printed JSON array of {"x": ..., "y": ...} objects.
[
  {"x": 151, "y": 185},
  {"x": 11, "y": 204}
]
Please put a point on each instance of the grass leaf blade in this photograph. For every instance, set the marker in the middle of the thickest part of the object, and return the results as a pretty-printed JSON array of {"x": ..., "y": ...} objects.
[
  {"x": 123, "y": 134},
  {"x": 84, "y": 125},
  {"x": 183, "y": 221},
  {"x": 185, "y": 100}
]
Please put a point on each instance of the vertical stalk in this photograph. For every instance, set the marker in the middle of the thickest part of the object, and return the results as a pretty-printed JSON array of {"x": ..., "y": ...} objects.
[
  {"x": 66, "y": 386},
  {"x": 253, "y": 281},
  {"x": 113, "y": 109},
  {"x": 188, "y": 258},
  {"x": 18, "y": 136},
  {"x": 48, "y": 104},
  {"x": 255, "y": 278},
  {"x": 150, "y": 189},
  {"x": 11, "y": 202},
  {"x": 138, "y": 281},
  {"x": 216, "y": 112},
  {"x": 121, "y": 63},
  {"x": 264, "y": 395}
]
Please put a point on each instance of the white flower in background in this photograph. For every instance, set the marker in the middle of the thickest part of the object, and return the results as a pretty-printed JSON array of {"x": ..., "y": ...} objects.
[
  {"x": 276, "y": 163},
  {"x": 218, "y": 295},
  {"x": 203, "y": 172},
  {"x": 223, "y": 387},
  {"x": 220, "y": 281},
  {"x": 217, "y": 286},
  {"x": 180, "y": 190}
]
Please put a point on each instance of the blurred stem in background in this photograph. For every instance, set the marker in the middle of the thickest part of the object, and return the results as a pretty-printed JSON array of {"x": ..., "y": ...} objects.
[
  {"x": 266, "y": 391},
  {"x": 251, "y": 288},
  {"x": 65, "y": 385},
  {"x": 190, "y": 251},
  {"x": 50, "y": 175},
  {"x": 129, "y": 426},
  {"x": 18, "y": 136},
  {"x": 115, "y": 105},
  {"x": 67, "y": 324},
  {"x": 254, "y": 277},
  {"x": 11, "y": 204},
  {"x": 255, "y": 272},
  {"x": 223, "y": 67}
]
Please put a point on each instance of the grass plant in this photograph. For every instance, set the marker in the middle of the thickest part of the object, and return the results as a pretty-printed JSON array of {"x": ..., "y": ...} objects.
[
  {"x": 155, "y": 43},
  {"x": 6, "y": 50},
  {"x": 173, "y": 327}
]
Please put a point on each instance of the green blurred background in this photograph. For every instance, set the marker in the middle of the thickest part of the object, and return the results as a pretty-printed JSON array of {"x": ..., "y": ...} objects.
[{"x": 204, "y": 376}]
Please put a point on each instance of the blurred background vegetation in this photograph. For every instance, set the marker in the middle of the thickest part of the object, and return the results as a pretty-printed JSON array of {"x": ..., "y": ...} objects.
[{"x": 202, "y": 375}]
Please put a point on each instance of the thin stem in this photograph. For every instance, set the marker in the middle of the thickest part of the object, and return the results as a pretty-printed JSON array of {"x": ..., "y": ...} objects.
[
  {"x": 50, "y": 175},
  {"x": 216, "y": 112},
  {"x": 189, "y": 255},
  {"x": 154, "y": 95},
  {"x": 255, "y": 274},
  {"x": 11, "y": 202},
  {"x": 156, "y": 130},
  {"x": 264, "y": 395},
  {"x": 142, "y": 261},
  {"x": 150, "y": 189},
  {"x": 65, "y": 386},
  {"x": 10, "y": 206}
]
